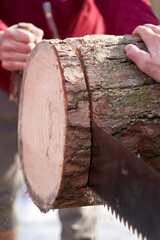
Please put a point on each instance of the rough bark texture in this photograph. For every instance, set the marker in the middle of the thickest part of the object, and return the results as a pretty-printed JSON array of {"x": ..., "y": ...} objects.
[{"x": 99, "y": 82}]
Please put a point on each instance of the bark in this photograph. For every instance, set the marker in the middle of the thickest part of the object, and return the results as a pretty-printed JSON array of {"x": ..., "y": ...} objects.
[{"x": 66, "y": 85}]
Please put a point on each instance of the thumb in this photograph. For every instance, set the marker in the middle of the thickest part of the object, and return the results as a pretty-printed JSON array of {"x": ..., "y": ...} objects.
[
  {"x": 136, "y": 55},
  {"x": 38, "y": 33}
]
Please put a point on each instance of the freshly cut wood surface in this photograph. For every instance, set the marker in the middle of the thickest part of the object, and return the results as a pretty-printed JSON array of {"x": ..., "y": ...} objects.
[
  {"x": 66, "y": 85},
  {"x": 54, "y": 129}
]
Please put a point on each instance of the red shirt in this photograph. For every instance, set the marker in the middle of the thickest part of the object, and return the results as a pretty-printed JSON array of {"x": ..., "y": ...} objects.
[
  {"x": 123, "y": 16},
  {"x": 75, "y": 18}
]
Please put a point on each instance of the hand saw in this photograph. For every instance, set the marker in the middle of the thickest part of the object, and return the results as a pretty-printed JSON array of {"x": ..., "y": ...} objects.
[{"x": 126, "y": 183}]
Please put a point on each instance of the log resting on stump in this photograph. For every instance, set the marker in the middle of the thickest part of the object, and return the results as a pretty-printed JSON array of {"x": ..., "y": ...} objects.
[{"x": 65, "y": 86}]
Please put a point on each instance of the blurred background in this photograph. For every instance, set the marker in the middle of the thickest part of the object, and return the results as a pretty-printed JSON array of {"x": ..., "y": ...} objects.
[
  {"x": 156, "y": 7},
  {"x": 35, "y": 225}
]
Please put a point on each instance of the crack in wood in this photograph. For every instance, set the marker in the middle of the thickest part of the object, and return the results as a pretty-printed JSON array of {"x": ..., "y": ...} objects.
[{"x": 79, "y": 54}]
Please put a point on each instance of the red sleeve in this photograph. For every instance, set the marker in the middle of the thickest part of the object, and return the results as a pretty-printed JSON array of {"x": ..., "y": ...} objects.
[
  {"x": 90, "y": 20},
  {"x": 78, "y": 18},
  {"x": 4, "y": 75},
  {"x": 123, "y": 16}
]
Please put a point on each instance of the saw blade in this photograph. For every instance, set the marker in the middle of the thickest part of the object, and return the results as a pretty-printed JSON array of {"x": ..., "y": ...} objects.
[
  {"x": 125, "y": 183},
  {"x": 118, "y": 220}
]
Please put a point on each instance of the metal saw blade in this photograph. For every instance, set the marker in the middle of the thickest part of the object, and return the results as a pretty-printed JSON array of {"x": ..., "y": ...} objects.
[{"x": 125, "y": 183}]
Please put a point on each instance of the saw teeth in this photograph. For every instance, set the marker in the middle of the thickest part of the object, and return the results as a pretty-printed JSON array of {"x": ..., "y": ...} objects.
[
  {"x": 141, "y": 236},
  {"x": 115, "y": 214},
  {"x": 123, "y": 222}
]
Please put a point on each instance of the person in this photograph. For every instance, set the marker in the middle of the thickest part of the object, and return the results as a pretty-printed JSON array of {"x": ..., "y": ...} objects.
[
  {"x": 147, "y": 62},
  {"x": 73, "y": 19}
]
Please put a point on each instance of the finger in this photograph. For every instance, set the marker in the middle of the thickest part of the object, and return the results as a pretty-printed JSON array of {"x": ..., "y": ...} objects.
[
  {"x": 19, "y": 35},
  {"x": 13, "y": 65},
  {"x": 14, "y": 56},
  {"x": 37, "y": 32},
  {"x": 14, "y": 46},
  {"x": 32, "y": 28},
  {"x": 149, "y": 37},
  {"x": 139, "y": 57},
  {"x": 155, "y": 28}
]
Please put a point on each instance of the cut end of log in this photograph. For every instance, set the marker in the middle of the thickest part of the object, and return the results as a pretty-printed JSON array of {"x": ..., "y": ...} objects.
[{"x": 43, "y": 132}]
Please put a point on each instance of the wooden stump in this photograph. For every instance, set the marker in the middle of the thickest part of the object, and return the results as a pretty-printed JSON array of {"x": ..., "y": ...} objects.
[{"x": 65, "y": 86}]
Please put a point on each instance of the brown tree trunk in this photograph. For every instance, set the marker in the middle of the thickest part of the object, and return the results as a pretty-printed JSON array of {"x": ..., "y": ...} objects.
[{"x": 65, "y": 86}]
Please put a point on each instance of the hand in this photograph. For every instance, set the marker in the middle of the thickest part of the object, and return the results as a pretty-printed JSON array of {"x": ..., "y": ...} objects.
[
  {"x": 16, "y": 45},
  {"x": 148, "y": 62}
]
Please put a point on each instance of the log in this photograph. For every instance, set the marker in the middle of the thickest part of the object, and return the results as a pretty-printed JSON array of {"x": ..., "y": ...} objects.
[{"x": 67, "y": 84}]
